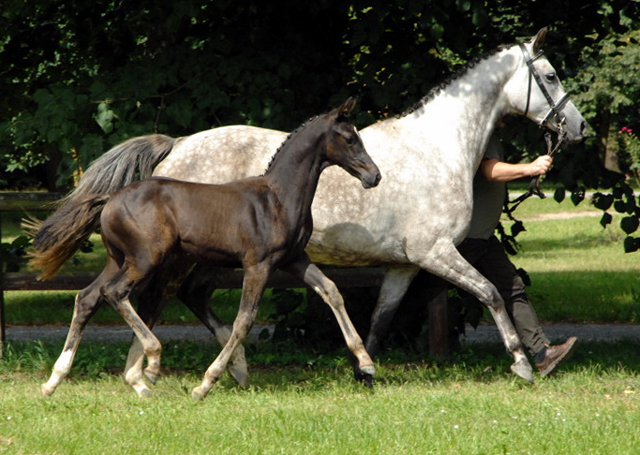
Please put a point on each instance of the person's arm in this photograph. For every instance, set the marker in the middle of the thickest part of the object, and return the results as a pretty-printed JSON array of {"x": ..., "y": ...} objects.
[{"x": 498, "y": 171}]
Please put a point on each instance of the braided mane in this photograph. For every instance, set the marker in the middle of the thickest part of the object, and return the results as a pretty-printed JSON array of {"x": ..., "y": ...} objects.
[
  {"x": 457, "y": 75},
  {"x": 287, "y": 140}
]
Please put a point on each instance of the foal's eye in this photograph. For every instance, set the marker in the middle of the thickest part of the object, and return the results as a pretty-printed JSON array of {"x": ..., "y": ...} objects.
[
  {"x": 550, "y": 77},
  {"x": 351, "y": 140}
]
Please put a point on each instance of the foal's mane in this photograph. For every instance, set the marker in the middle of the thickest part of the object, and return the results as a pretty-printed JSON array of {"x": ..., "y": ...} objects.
[
  {"x": 287, "y": 140},
  {"x": 457, "y": 75}
]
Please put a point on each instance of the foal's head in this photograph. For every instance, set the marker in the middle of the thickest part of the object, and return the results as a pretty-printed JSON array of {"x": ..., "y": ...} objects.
[{"x": 345, "y": 147}]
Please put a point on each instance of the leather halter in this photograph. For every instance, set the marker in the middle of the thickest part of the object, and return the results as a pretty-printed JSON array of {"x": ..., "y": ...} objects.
[{"x": 533, "y": 73}]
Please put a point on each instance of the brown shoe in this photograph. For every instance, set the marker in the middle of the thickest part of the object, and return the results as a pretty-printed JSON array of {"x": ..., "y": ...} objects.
[{"x": 555, "y": 355}]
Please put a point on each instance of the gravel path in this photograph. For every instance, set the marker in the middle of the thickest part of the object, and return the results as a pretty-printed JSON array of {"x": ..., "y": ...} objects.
[{"x": 483, "y": 334}]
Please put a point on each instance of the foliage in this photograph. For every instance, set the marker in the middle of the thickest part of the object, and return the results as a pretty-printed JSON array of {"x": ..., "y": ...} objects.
[{"x": 81, "y": 77}]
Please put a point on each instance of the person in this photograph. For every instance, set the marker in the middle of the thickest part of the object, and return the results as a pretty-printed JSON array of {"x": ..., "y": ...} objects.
[{"x": 482, "y": 249}]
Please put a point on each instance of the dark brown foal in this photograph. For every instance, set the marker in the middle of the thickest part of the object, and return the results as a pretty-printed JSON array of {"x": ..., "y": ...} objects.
[{"x": 260, "y": 224}]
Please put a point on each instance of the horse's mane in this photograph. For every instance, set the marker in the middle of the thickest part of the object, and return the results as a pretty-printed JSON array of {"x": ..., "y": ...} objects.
[
  {"x": 457, "y": 75},
  {"x": 287, "y": 140}
]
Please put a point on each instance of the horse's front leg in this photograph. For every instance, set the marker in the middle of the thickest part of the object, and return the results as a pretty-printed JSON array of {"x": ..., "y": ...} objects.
[
  {"x": 255, "y": 280},
  {"x": 304, "y": 269},
  {"x": 446, "y": 262}
]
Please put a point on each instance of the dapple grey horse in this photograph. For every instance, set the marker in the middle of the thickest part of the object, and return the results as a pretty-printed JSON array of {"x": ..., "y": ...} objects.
[{"x": 415, "y": 218}]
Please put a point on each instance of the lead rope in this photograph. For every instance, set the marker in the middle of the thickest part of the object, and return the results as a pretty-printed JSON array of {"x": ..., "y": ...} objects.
[{"x": 508, "y": 240}]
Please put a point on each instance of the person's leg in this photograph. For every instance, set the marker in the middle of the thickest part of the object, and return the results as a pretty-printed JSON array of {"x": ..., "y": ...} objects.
[
  {"x": 490, "y": 258},
  {"x": 498, "y": 268}
]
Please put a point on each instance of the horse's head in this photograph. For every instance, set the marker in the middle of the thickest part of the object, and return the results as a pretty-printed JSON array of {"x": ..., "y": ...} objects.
[
  {"x": 345, "y": 147},
  {"x": 536, "y": 91}
]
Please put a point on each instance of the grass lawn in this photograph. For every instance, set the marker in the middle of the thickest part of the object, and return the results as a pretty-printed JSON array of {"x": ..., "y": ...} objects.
[
  {"x": 303, "y": 402},
  {"x": 467, "y": 404}
]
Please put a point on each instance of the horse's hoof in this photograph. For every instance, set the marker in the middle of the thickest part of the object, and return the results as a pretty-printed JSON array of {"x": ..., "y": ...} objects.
[
  {"x": 198, "y": 394},
  {"x": 523, "y": 369},
  {"x": 368, "y": 370},
  {"x": 368, "y": 381},
  {"x": 240, "y": 374},
  {"x": 152, "y": 376},
  {"x": 144, "y": 393},
  {"x": 46, "y": 390}
]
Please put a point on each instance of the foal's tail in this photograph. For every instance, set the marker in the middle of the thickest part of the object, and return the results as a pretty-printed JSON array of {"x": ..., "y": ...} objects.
[{"x": 58, "y": 237}]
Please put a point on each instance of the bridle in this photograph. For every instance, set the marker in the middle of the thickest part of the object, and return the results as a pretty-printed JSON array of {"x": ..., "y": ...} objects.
[
  {"x": 533, "y": 74},
  {"x": 554, "y": 109},
  {"x": 534, "y": 187}
]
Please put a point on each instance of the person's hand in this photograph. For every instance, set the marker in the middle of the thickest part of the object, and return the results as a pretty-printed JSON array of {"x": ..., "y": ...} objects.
[{"x": 540, "y": 165}]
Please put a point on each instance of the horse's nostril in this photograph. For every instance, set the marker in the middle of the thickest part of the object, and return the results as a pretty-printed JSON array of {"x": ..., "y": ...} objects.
[{"x": 583, "y": 127}]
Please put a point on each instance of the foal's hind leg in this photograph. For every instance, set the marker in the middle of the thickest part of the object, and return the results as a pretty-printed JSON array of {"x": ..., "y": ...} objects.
[
  {"x": 195, "y": 293},
  {"x": 116, "y": 292},
  {"x": 255, "y": 279},
  {"x": 313, "y": 276},
  {"x": 87, "y": 303}
]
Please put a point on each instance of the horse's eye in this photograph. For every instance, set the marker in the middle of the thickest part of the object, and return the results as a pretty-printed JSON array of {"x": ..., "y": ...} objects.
[
  {"x": 550, "y": 77},
  {"x": 351, "y": 140}
]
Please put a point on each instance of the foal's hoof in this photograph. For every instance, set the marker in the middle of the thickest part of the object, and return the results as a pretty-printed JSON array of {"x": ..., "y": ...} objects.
[
  {"x": 144, "y": 393},
  {"x": 365, "y": 374},
  {"x": 152, "y": 376},
  {"x": 240, "y": 374},
  {"x": 523, "y": 369},
  {"x": 368, "y": 381},
  {"x": 46, "y": 390},
  {"x": 198, "y": 394}
]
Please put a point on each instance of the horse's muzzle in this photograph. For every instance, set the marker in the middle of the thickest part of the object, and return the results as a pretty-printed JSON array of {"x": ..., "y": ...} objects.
[{"x": 370, "y": 179}]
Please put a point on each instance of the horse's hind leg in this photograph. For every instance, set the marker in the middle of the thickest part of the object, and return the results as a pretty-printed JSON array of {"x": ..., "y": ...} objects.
[
  {"x": 87, "y": 303},
  {"x": 394, "y": 286},
  {"x": 255, "y": 279},
  {"x": 313, "y": 276},
  {"x": 451, "y": 266},
  {"x": 195, "y": 293}
]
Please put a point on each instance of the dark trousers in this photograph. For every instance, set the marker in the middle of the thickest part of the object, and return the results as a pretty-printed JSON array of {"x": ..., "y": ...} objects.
[{"x": 491, "y": 260}]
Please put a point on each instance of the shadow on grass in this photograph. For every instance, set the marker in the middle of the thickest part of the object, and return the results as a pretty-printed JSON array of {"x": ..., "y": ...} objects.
[{"x": 283, "y": 364}]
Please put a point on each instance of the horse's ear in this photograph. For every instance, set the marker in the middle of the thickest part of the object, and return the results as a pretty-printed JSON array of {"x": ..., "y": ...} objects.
[
  {"x": 345, "y": 109},
  {"x": 539, "y": 39}
]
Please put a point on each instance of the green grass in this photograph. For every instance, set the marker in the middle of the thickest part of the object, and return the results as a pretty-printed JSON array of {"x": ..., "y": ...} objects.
[
  {"x": 301, "y": 401},
  {"x": 578, "y": 270},
  {"x": 468, "y": 404}
]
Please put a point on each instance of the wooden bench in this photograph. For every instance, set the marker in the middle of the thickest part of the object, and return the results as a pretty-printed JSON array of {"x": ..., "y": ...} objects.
[{"x": 344, "y": 277}]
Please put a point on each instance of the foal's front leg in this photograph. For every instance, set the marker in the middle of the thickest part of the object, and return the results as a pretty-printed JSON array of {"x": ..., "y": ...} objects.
[
  {"x": 304, "y": 269},
  {"x": 255, "y": 280}
]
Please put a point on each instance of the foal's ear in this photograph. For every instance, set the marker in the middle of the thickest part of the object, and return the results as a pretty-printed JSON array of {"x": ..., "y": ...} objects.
[
  {"x": 539, "y": 39},
  {"x": 345, "y": 109}
]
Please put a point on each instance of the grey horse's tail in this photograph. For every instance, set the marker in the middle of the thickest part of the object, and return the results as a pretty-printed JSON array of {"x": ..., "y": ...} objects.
[
  {"x": 125, "y": 163},
  {"x": 58, "y": 237}
]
